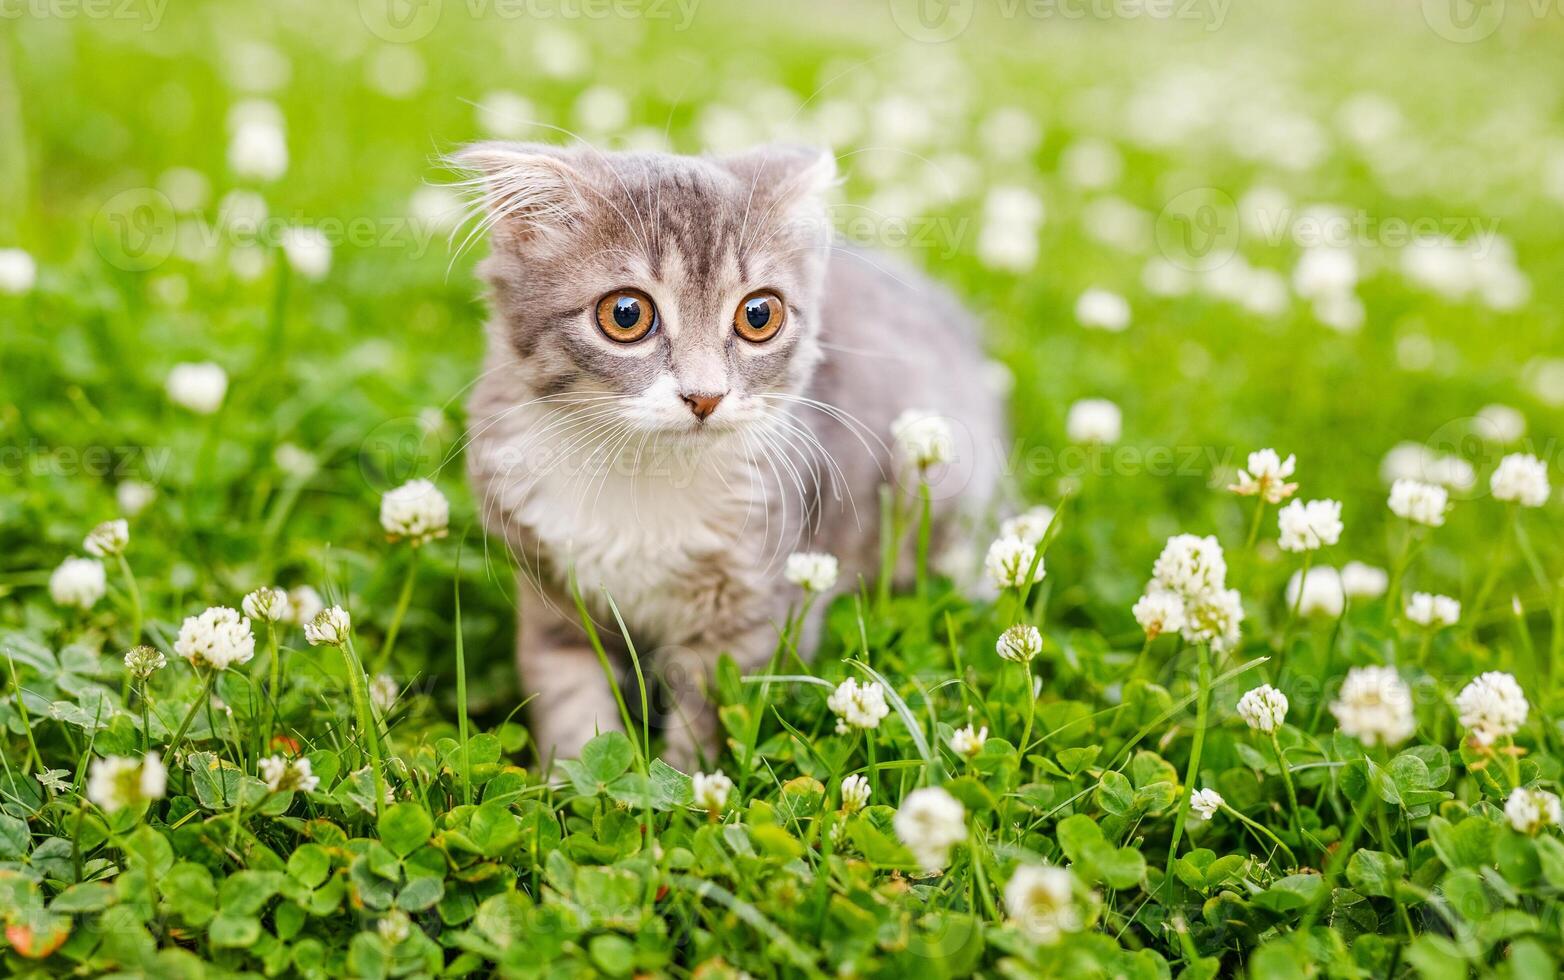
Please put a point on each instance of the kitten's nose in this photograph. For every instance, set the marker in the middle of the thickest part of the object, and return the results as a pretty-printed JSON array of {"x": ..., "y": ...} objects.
[{"x": 702, "y": 405}]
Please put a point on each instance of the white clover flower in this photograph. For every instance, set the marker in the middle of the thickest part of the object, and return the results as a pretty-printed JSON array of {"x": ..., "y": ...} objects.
[
  {"x": 505, "y": 114},
  {"x": 1492, "y": 706},
  {"x": 267, "y": 605},
  {"x": 304, "y": 604},
  {"x": 1433, "y": 611},
  {"x": 601, "y": 109},
  {"x": 858, "y": 706},
  {"x": 1451, "y": 472},
  {"x": 143, "y": 660},
  {"x": 1159, "y": 611},
  {"x": 967, "y": 741},
  {"x": 395, "y": 927},
  {"x": 416, "y": 511},
  {"x": 1099, "y": 309},
  {"x": 1323, "y": 593},
  {"x": 1501, "y": 424},
  {"x": 1266, "y": 476},
  {"x": 1019, "y": 643},
  {"x": 117, "y": 783},
  {"x": 57, "y": 780},
  {"x": 1342, "y": 312},
  {"x": 258, "y": 149},
  {"x": 1094, "y": 421},
  {"x": 1031, "y": 525},
  {"x": 1360, "y": 581},
  {"x": 436, "y": 207},
  {"x": 1162, "y": 278},
  {"x": 1008, "y": 561},
  {"x": 308, "y": 251},
  {"x": 1531, "y": 811},
  {"x": 18, "y": 271},
  {"x": 930, "y": 822},
  {"x": 295, "y": 461},
  {"x": 78, "y": 582},
  {"x": 1007, "y": 245},
  {"x": 1190, "y": 565},
  {"x": 218, "y": 638},
  {"x": 811, "y": 571},
  {"x": 1040, "y": 900},
  {"x": 855, "y": 793},
  {"x": 1521, "y": 478},
  {"x": 711, "y": 790},
  {"x": 331, "y": 627},
  {"x": 923, "y": 438},
  {"x": 1406, "y": 461},
  {"x": 1309, "y": 526},
  {"x": 383, "y": 692},
  {"x": 283, "y": 776},
  {"x": 1419, "y": 502},
  {"x": 1324, "y": 272},
  {"x": 1214, "y": 618},
  {"x": 1014, "y": 203},
  {"x": 198, "y": 387},
  {"x": 1204, "y": 803},
  {"x": 107, "y": 539},
  {"x": 1375, "y": 706},
  {"x": 1263, "y": 709},
  {"x": 134, "y": 496}
]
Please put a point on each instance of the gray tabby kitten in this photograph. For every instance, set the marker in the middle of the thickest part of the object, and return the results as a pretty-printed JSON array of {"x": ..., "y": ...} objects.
[{"x": 685, "y": 381}]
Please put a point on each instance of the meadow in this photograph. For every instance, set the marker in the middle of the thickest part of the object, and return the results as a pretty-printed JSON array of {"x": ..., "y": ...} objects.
[{"x": 258, "y": 710}]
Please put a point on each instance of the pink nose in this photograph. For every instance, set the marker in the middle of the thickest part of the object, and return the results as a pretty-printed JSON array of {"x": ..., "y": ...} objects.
[{"x": 702, "y": 405}]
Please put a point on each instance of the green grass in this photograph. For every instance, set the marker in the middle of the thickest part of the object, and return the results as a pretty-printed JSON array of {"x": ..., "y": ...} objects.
[{"x": 479, "y": 864}]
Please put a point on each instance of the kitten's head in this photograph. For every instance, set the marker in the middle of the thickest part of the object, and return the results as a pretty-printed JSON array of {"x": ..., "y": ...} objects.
[{"x": 680, "y": 292}]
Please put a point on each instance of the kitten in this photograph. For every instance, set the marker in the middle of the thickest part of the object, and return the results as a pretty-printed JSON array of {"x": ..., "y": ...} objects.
[{"x": 685, "y": 381}]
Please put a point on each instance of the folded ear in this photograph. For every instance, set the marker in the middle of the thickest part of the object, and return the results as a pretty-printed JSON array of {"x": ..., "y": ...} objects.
[
  {"x": 528, "y": 188},
  {"x": 785, "y": 172}
]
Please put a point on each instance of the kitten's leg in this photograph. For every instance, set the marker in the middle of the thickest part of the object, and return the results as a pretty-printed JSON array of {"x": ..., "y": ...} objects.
[
  {"x": 685, "y": 680},
  {"x": 570, "y": 698}
]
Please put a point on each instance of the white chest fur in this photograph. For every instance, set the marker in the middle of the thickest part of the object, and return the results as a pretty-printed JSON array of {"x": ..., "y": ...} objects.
[{"x": 665, "y": 535}]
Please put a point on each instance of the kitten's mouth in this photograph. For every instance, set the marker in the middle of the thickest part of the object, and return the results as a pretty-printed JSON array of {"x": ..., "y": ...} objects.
[{"x": 710, "y": 428}]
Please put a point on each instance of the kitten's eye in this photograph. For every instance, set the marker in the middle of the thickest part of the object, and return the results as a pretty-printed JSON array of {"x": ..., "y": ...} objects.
[
  {"x": 626, "y": 316},
  {"x": 760, "y": 316}
]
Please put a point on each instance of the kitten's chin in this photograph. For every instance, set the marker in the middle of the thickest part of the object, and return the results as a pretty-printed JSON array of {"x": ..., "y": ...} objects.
[{"x": 701, "y": 438}]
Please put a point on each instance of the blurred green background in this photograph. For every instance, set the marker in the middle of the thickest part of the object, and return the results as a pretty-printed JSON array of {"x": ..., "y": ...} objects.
[{"x": 1335, "y": 227}]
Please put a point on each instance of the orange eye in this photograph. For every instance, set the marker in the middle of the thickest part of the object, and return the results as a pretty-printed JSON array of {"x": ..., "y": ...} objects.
[
  {"x": 760, "y": 316},
  {"x": 626, "y": 315}
]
